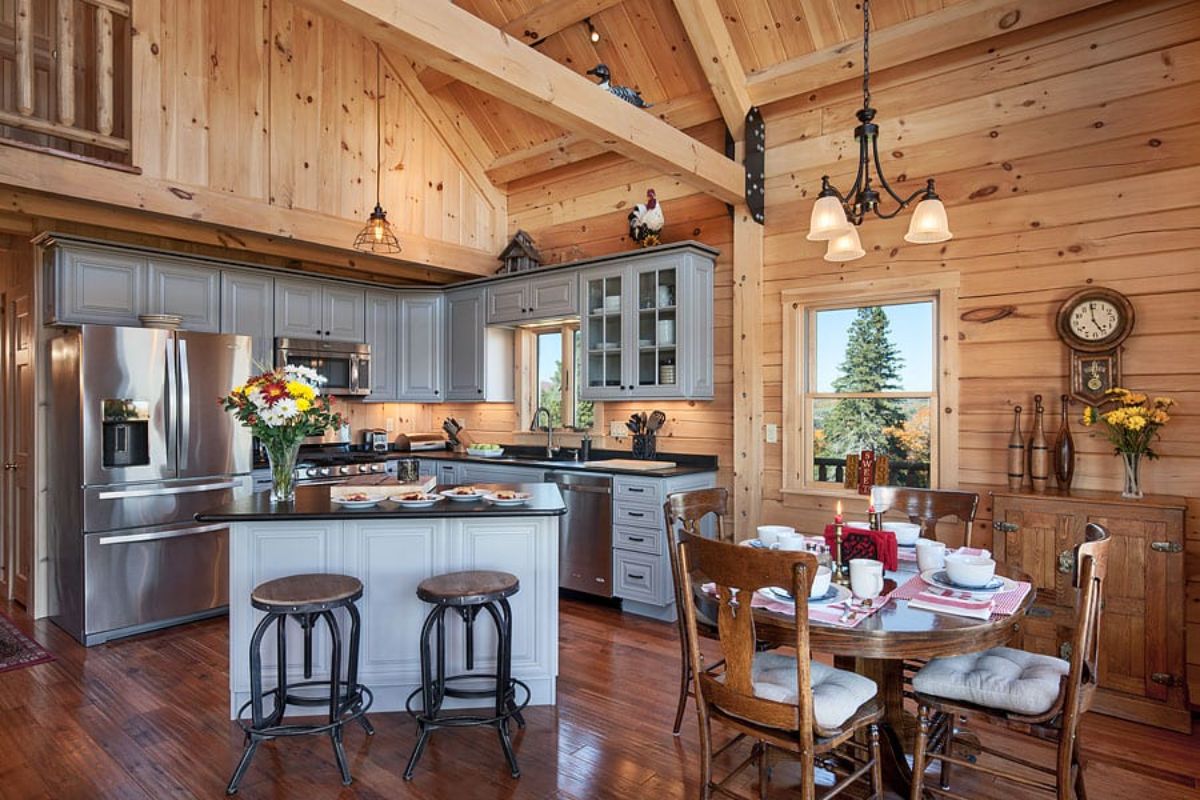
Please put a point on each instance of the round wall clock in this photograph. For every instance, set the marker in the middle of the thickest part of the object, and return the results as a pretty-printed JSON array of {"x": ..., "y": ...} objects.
[{"x": 1095, "y": 319}]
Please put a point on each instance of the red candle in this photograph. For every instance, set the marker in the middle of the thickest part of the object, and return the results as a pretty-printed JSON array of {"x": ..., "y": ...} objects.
[
  {"x": 871, "y": 508},
  {"x": 837, "y": 519}
]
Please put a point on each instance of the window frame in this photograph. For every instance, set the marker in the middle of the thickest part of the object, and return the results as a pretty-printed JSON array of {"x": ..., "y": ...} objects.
[
  {"x": 799, "y": 380},
  {"x": 526, "y": 387}
]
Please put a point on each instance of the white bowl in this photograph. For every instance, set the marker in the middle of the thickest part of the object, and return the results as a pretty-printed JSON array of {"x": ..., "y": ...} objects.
[
  {"x": 820, "y": 584},
  {"x": 973, "y": 571},
  {"x": 907, "y": 533},
  {"x": 771, "y": 534}
]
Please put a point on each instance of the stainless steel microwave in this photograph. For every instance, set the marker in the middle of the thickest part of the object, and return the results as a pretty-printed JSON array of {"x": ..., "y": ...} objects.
[{"x": 346, "y": 366}]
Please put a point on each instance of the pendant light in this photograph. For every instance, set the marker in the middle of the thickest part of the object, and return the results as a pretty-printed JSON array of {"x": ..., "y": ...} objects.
[
  {"x": 835, "y": 215},
  {"x": 377, "y": 236}
]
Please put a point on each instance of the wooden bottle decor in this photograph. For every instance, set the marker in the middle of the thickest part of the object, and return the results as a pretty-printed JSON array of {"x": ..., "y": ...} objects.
[
  {"x": 1039, "y": 449},
  {"x": 1016, "y": 454},
  {"x": 1064, "y": 449}
]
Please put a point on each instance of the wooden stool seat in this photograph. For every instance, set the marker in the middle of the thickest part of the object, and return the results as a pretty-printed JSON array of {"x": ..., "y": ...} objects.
[
  {"x": 471, "y": 588},
  {"x": 306, "y": 593}
]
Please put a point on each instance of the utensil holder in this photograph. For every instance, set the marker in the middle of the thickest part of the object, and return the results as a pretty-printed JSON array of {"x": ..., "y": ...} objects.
[{"x": 644, "y": 446}]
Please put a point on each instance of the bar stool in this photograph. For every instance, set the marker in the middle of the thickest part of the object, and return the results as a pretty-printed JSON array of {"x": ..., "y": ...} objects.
[
  {"x": 305, "y": 598},
  {"x": 467, "y": 593}
]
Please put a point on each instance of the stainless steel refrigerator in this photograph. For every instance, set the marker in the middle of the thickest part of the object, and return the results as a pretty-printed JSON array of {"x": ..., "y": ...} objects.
[{"x": 137, "y": 444}]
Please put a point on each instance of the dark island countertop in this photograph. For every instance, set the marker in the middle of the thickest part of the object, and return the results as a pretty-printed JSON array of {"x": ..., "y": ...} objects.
[
  {"x": 313, "y": 503},
  {"x": 528, "y": 456}
]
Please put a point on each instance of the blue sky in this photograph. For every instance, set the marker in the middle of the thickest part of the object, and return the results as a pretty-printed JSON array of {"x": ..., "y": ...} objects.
[
  {"x": 911, "y": 329},
  {"x": 549, "y": 354}
]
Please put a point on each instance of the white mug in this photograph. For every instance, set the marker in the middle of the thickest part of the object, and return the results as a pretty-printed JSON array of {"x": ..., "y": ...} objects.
[
  {"x": 820, "y": 584},
  {"x": 793, "y": 542},
  {"x": 866, "y": 578},
  {"x": 769, "y": 534},
  {"x": 930, "y": 554}
]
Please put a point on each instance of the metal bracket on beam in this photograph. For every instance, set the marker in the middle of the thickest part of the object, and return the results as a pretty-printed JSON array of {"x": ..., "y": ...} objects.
[{"x": 755, "y": 164}]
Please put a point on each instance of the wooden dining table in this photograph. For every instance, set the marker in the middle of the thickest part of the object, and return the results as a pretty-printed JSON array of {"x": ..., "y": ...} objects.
[{"x": 879, "y": 645}]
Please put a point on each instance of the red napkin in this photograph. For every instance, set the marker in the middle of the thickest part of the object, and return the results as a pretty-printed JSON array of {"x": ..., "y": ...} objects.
[{"x": 864, "y": 543}]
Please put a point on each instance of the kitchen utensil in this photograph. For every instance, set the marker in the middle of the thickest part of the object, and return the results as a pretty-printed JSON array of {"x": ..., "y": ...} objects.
[{"x": 657, "y": 420}]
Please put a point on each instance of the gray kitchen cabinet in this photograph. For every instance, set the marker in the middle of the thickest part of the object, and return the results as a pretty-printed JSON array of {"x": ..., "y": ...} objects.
[
  {"x": 383, "y": 334},
  {"x": 647, "y": 328},
  {"x": 95, "y": 285},
  {"x": 422, "y": 338},
  {"x": 190, "y": 291},
  {"x": 521, "y": 300},
  {"x": 475, "y": 472},
  {"x": 247, "y": 308},
  {"x": 307, "y": 309},
  {"x": 445, "y": 471},
  {"x": 478, "y": 357}
]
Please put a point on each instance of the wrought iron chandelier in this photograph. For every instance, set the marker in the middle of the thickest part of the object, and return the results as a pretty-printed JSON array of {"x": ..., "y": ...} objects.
[
  {"x": 835, "y": 216},
  {"x": 377, "y": 236}
]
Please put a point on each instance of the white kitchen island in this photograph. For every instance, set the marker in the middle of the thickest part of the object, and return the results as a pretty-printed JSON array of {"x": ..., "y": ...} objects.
[{"x": 391, "y": 549}]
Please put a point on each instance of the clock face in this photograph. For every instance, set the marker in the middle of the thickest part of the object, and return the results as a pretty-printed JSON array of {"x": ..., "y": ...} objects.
[{"x": 1094, "y": 320}]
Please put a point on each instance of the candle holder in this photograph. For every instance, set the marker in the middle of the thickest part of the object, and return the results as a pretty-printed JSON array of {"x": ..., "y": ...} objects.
[
  {"x": 840, "y": 573},
  {"x": 875, "y": 520}
]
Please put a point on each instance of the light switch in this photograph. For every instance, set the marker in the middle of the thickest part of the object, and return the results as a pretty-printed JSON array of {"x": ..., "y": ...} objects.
[
  {"x": 390, "y": 424},
  {"x": 772, "y": 433},
  {"x": 617, "y": 430}
]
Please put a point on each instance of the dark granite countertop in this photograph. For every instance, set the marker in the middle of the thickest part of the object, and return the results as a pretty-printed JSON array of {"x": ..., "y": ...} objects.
[
  {"x": 529, "y": 456},
  {"x": 313, "y": 503}
]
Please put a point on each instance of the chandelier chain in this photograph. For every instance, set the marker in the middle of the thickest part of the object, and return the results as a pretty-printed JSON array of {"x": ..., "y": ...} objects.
[{"x": 866, "y": 53}]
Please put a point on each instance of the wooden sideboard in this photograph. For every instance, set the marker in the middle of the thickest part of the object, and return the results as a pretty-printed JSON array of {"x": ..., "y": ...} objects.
[{"x": 1142, "y": 674}]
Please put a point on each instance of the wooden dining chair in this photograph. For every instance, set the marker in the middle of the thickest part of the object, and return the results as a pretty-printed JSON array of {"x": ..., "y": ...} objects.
[
  {"x": 780, "y": 700},
  {"x": 691, "y": 512},
  {"x": 1031, "y": 693},
  {"x": 928, "y": 507}
]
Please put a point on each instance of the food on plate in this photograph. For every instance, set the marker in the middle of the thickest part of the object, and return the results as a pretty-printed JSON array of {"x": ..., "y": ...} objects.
[
  {"x": 509, "y": 494},
  {"x": 487, "y": 448},
  {"x": 416, "y": 497},
  {"x": 356, "y": 497},
  {"x": 464, "y": 491}
]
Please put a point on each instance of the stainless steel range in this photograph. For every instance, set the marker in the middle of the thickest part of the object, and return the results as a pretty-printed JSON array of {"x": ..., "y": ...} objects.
[{"x": 330, "y": 464}]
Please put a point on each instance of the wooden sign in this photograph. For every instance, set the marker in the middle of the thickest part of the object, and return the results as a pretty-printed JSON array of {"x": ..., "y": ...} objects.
[{"x": 864, "y": 471}]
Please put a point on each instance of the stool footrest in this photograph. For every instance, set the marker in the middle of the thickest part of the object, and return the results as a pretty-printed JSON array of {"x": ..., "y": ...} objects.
[
  {"x": 349, "y": 713},
  {"x": 512, "y": 709}
]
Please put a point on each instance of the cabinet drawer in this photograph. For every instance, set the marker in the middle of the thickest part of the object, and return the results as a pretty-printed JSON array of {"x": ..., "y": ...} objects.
[
  {"x": 638, "y": 490},
  {"x": 637, "y": 514},
  {"x": 642, "y": 577},
  {"x": 642, "y": 540}
]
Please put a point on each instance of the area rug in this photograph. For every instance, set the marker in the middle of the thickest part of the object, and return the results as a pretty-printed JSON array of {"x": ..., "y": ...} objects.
[{"x": 18, "y": 650}]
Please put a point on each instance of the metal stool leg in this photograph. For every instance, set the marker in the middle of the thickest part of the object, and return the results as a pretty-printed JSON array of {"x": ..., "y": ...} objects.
[
  {"x": 507, "y": 609},
  {"x": 428, "y": 703},
  {"x": 353, "y": 690},
  {"x": 256, "y": 703},
  {"x": 504, "y": 693},
  {"x": 335, "y": 695},
  {"x": 281, "y": 665}
]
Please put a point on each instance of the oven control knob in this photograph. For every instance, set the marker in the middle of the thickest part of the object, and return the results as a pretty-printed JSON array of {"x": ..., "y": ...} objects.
[
  {"x": 343, "y": 470},
  {"x": 312, "y": 472},
  {"x": 377, "y": 468},
  {"x": 324, "y": 472}
]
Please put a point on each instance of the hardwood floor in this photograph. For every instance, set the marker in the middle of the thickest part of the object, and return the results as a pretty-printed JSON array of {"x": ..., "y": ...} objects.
[{"x": 146, "y": 718}]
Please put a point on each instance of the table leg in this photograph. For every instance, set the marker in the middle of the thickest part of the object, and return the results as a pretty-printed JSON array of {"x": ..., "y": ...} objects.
[{"x": 889, "y": 677}]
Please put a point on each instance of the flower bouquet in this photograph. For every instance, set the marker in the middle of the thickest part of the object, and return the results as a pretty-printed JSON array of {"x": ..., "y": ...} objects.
[
  {"x": 1131, "y": 423},
  {"x": 281, "y": 408}
]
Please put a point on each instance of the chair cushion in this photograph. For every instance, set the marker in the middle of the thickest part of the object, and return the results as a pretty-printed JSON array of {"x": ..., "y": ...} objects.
[
  {"x": 837, "y": 693},
  {"x": 1001, "y": 678}
]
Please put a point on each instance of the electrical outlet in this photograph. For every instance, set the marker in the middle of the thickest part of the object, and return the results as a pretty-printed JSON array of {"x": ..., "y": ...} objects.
[
  {"x": 617, "y": 430},
  {"x": 390, "y": 424},
  {"x": 772, "y": 433}
]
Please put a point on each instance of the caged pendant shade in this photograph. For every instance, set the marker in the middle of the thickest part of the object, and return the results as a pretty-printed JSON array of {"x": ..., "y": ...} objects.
[
  {"x": 377, "y": 236},
  {"x": 845, "y": 246},
  {"x": 828, "y": 219}
]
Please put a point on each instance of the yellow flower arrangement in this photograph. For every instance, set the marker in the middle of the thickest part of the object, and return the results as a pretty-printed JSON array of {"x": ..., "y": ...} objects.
[{"x": 1133, "y": 421}]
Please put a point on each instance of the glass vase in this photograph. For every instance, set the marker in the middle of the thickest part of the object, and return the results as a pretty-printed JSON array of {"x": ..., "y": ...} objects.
[
  {"x": 282, "y": 458},
  {"x": 1133, "y": 476}
]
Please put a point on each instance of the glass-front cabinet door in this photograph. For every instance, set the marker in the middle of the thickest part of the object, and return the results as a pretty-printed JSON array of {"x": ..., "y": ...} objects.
[
  {"x": 605, "y": 371},
  {"x": 657, "y": 330}
]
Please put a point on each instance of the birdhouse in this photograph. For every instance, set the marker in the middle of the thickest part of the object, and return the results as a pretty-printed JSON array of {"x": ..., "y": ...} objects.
[{"x": 520, "y": 255}]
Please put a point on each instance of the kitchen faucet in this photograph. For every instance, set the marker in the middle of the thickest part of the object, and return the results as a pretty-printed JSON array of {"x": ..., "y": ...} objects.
[{"x": 548, "y": 427}]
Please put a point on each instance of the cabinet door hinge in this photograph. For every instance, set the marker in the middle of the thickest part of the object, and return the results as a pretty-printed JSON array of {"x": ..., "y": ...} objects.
[
  {"x": 1167, "y": 679},
  {"x": 1166, "y": 547},
  {"x": 1005, "y": 527}
]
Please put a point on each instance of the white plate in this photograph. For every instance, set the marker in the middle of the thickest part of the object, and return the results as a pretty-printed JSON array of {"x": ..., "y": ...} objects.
[
  {"x": 520, "y": 500},
  {"x": 432, "y": 501},
  {"x": 485, "y": 453},
  {"x": 357, "y": 503},
  {"x": 835, "y": 594},
  {"x": 936, "y": 577},
  {"x": 464, "y": 498}
]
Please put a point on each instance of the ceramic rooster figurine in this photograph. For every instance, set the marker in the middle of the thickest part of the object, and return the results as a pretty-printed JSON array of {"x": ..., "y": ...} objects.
[
  {"x": 631, "y": 96},
  {"x": 646, "y": 221}
]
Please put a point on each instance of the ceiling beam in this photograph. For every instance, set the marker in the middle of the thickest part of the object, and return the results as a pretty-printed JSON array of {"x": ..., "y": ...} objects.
[
  {"x": 50, "y": 174},
  {"x": 718, "y": 58},
  {"x": 959, "y": 25},
  {"x": 464, "y": 46},
  {"x": 681, "y": 112},
  {"x": 534, "y": 25}
]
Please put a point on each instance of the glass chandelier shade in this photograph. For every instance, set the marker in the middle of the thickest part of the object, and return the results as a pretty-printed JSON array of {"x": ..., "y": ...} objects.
[
  {"x": 828, "y": 219},
  {"x": 928, "y": 224},
  {"x": 845, "y": 246}
]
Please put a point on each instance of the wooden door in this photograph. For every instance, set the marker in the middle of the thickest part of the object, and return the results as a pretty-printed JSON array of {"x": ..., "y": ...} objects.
[{"x": 19, "y": 387}]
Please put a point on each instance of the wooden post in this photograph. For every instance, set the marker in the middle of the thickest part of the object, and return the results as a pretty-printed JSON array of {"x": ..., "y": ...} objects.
[
  {"x": 66, "y": 62},
  {"x": 104, "y": 71},
  {"x": 747, "y": 371},
  {"x": 25, "y": 57}
]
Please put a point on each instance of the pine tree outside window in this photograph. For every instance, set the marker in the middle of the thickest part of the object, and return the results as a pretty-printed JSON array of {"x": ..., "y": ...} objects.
[{"x": 870, "y": 364}]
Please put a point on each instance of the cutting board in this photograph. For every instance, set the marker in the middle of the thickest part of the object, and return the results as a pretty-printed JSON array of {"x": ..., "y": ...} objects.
[
  {"x": 380, "y": 487},
  {"x": 631, "y": 464}
]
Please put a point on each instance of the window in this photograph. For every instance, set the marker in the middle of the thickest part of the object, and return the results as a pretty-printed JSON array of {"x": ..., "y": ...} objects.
[
  {"x": 557, "y": 353},
  {"x": 864, "y": 375}
]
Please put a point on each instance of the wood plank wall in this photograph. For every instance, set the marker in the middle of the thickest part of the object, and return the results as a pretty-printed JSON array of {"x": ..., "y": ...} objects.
[
  {"x": 268, "y": 101},
  {"x": 1067, "y": 154}
]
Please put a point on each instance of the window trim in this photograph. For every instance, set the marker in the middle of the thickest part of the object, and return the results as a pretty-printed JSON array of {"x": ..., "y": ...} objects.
[
  {"x": 799, "y": 339},
  {"x": 526, "y": 395}
]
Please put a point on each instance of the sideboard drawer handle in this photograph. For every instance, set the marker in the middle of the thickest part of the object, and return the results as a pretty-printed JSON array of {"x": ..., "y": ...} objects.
[
  {"x": 1166, "y": 547},
  {"x": 638, "y": 514},
  {"x": 1006, "y": 527},
  {"x": 635, "y": 538},
  {"x": 633, "y": 577},
  {"x": 635, "y": 489}
]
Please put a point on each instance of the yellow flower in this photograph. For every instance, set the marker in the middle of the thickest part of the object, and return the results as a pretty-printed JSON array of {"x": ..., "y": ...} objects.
[
  {"x": 1132, "y": 399},
  {"x": 1159, "y": 417},
  {"x": 1163, "y": 402},
  {"x": 300, "y": 391},
  {"x": 1089, "y": 415},
  {"x": 1135, "y": 422},
  {"x": 239, "y": 390},
  {"x": 303, "y": 404}
]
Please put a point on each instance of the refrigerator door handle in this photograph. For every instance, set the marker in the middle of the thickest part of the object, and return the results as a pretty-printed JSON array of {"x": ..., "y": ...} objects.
[
  {"x": 130, "y": 538},
  {"x": 121, "y": 494},
  {"x": 171, "y": 398},
  {"x": 185, "y": 405}
]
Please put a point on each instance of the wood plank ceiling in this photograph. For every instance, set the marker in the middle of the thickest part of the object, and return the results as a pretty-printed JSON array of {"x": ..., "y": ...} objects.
[{"x": 645, "y": 46}]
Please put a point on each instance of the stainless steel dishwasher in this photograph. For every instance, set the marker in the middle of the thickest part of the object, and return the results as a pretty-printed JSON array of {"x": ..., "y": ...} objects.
[{"x": 585, "y": 533}]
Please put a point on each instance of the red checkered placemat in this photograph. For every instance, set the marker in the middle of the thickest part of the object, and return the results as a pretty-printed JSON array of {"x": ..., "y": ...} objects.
[{"x": 1006, "y": 603}]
